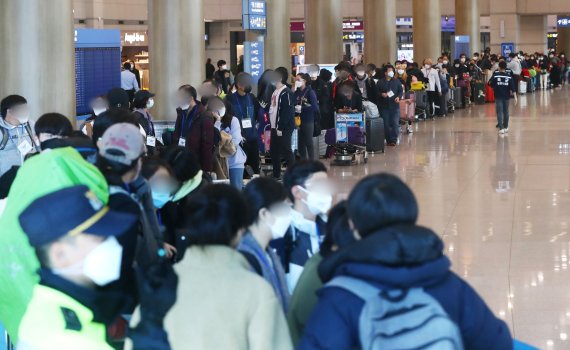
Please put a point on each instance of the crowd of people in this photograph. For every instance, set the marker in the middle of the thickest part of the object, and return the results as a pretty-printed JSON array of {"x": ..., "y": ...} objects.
[{"x": 115, "y": 224}]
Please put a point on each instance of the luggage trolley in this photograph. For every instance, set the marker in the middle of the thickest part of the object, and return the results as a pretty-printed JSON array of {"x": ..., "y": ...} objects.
[{"x": 350, "y": 139}]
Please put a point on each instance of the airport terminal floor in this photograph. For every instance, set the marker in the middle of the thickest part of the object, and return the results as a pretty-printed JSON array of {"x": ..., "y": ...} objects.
[{"x": 500, "y": 203}]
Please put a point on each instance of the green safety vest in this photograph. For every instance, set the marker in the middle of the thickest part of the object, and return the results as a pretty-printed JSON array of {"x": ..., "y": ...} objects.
[{"x": 54, "y": 320}]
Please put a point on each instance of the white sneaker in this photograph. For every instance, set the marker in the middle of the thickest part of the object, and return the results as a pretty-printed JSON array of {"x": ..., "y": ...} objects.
[
  {"x": 501, "y": 132},
  {"x": 506, "y": 131},
  {"x": 410, "y": 129}
]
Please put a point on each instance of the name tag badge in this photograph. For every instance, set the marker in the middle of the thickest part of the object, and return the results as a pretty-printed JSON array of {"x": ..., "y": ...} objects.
[
  {"x": 24, "y": 147},
  {"x": 390, "y": 94},
  {"x": 182, "y": 142},
  {"x": 361, "y": 90},
  {"x": 151, "y": 141},
  {"x": 246, "y": 123}
]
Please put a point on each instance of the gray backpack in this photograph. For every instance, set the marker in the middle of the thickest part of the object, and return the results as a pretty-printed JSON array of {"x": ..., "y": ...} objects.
[{"x": 400, "y": 319}]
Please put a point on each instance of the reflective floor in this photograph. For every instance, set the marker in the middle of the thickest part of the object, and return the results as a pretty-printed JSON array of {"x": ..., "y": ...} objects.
[{"x": 501, "y": 203}]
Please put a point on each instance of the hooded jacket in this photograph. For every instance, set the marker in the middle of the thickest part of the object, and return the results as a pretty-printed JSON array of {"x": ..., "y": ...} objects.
[{"x": 399, "y": 257}]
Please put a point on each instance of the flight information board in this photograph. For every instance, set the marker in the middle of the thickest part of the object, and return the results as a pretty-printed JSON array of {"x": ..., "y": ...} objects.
[{"x": 97, "y": 65}]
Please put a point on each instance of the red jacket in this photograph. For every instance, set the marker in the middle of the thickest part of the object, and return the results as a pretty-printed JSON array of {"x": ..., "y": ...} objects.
[{"x": 199, "y": 135}]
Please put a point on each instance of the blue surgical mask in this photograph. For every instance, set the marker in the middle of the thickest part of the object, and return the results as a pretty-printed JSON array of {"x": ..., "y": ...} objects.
[{"x": 159, "y": 199}]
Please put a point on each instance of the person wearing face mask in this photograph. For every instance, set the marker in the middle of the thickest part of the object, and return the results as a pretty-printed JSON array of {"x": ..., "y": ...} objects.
[
  {"x": 142, "y": 103},
  {"x": 244, "y": 106},
  {"x": 555, "y": 72},
  {"x": 515, "y": 66},
  {"x": 307, "y": 107},
  {"x": 391, "y": 90},
  {"x": 433, "y": 88},
  {"x": 119, "y": 159},
  {"x": 462, "y": 69},
  {"x": 16, "y": 136},
  {"x": 76, "y": 241},
  {"x": 322, "y": 88},
  {"x": 230, "y": 125},
  {"x": 192, "y": 129},
  {"x": 269, "y": 218},
  {"x": 342, "y": 74},
  {"x": 392, "y": 252},
  {"x": 366, "y": 85},
  {"x": 221, "y": 76},
  {"x": 307, "y": 185},
  {"x": 338, "y": 235},
  {"x": 220, "y": 291},
  {"x": 163, "y": 185},
  {"x": 282, "y": 121}
]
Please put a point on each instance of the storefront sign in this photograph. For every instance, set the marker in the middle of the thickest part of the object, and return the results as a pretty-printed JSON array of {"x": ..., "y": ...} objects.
[
  {"x": 254, "y": 15},
  {"x": 134, "y": 37},
  {"x": 352, "y": 25},
  {"x": 353, "y": 36},
  {"x": 563, "y": 22},
  {"x": 254, "y": 56}
]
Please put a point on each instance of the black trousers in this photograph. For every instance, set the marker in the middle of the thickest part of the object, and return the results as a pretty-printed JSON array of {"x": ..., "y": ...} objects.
[
  {"x": 280, "y": 148},
  {"x": 251, "y": 149},
  {"x": 433, "y": 100}
]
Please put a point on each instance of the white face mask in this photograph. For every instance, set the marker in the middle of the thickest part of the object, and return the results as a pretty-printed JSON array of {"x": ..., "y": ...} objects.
[
  {"x": 150, "y": 103},
  {"x": 222, "y": 112},
  {"x": 298, "y": 84},
  {"x": 224, "y": 67},
  {"x": 462, "y": 60},
  {"x": 318, "y": 203},
  {"x": 361, "y": 73},
  {"x": 280, "y": 225},
  {"x": 391, "y": 74},
  {"x": 445, "y": 62},
  {"x": 427, "y": 66},
  {"x": 98, "y": 111},
  {"x": 102, "y": 265},
  {"x": 184, "y": 107},
  {"x": 24, "y": 118},
  {"x": 313, "y": 75},
  {"x": 400, "y": 71}
]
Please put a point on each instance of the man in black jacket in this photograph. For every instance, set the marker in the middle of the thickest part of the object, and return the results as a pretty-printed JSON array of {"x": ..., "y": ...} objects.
[
  {"x": 390, "y": 92},
  {"x": 281, "y": 116}
]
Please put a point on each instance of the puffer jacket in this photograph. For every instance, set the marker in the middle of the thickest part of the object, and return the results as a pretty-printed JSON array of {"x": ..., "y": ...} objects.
[{"x": 399, "y": 257}]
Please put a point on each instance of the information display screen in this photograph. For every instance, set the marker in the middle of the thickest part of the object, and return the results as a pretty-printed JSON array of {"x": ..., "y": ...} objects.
[
  {"x": 97, "y": 65},
  {"x": 97, "y": 70}
]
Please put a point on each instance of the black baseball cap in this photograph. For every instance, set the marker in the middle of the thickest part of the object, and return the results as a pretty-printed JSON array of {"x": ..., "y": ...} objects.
[
  {"x": 143, "y": 94},
  {"x": 71, "y": 211},
  {"x": 118, "y": 98}
]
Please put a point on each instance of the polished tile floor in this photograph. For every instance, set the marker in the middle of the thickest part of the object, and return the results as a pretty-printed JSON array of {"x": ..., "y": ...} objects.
[{"x": 501, "y": 203}]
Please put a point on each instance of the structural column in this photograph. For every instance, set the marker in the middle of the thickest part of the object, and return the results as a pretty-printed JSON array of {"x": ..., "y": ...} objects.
[
  {"x": 323, "y": 31},
  {"x": 467, "y": 22},
  {"x": 427, "y": 29},
  {"x": 278, "y": 39},
  {"x": 563, "y": 40},
  {"x": 380, "y": 45},
  {"x": 176, "y": 50},
  {"x": 37, "y": 54}
]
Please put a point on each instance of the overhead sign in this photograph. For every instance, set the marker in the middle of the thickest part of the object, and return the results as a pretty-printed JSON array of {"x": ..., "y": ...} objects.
[
  {"x": 563, "y": 21},
  {"x": 134, "y": 38},
  {"x": 254, "y": 56},
  {"x": 254, "y": 15},
  {"x": 507, "y": 48}
]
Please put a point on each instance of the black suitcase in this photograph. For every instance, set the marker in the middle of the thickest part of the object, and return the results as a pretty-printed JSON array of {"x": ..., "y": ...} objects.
[
  {"x": 479, "y": 93},
  {"x": 375, "y": 135},
  {"x": 458, "y": 97}
]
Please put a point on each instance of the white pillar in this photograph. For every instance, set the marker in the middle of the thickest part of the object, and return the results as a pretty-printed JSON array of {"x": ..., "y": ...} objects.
[
  {"x": 37, "y": 54},
  {"x": 177, "y": 53},
  {"x": 278, "y": 39}
]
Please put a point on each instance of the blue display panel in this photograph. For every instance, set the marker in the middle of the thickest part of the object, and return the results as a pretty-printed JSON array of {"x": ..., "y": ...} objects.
[
  {"x": 254, "y": 59},
  {"x": 254, "y": 15},
  {"x": 97, "y": 65}
]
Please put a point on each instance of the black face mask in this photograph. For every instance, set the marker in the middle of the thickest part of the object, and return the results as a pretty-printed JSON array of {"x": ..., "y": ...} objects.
[
  {"x": 204, "y": 100},
  {"x": 247, "y": 89}
]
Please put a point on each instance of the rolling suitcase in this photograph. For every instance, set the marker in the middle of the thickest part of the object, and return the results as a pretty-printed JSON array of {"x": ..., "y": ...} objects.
[
  {"x": 458, "y": 97},
  {"x": 375, "y": 135},
  {"x": 479, "y": 93},
  {"x": 522, "y": 87},
  {"x": 489, "y": 93}
]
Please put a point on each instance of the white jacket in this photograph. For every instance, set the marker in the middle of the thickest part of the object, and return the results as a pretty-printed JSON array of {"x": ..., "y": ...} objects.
[
  {"x": 10, "y": 155},
  {"x": 237, "y": 161},
  {"x": 433, "y": 77}
]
